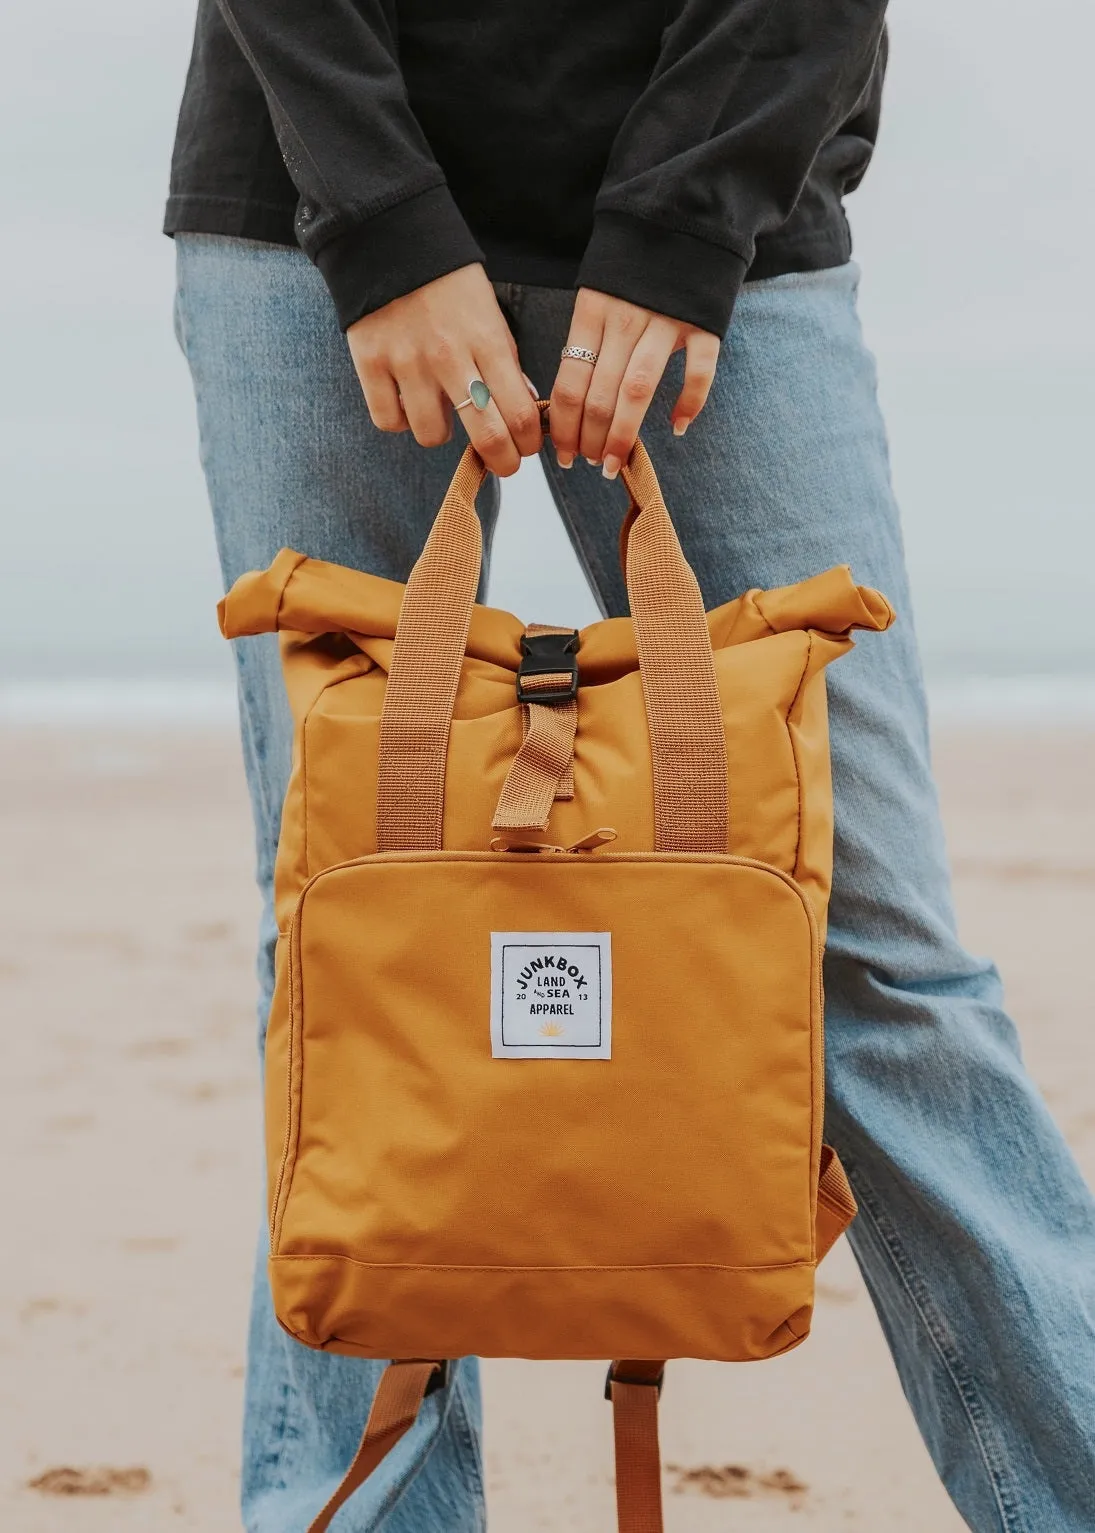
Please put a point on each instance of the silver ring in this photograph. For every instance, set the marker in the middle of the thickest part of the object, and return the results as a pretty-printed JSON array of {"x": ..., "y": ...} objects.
[
  {"x": 579, "y": 354},
  {"x": 478, "y": 395}
]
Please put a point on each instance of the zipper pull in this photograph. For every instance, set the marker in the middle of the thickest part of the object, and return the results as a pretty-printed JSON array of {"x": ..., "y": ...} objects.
[
  {"x": 535, "y": 848},
  {"x": 595, "y": 839},
  {"x": 588, "y": 843}
]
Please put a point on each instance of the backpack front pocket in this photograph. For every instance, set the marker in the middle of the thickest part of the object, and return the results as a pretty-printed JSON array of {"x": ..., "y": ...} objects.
[{"x": 592, "y": 1081}]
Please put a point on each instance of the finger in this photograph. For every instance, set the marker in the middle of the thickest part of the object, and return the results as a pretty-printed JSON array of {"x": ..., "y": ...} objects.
[
  {"x": 621, "y": 337},
  {"x": 428, "y": 412},
  {"x": 499, "y": 363},
  {"x": 701, "y": 352},
  {"x": 385, "y": 404},
  {"x": 568, "y": 398},
  {"x": 568, "y": 394},
  {"x": 641, "y": 377},
  {"x": 487, "y": 430},
  {"x": 381, "y": 393},
  {"x": 513, "y": 396}
]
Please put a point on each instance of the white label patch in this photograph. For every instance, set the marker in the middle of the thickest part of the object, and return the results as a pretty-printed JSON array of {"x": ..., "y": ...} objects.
[{"x": 551, "y": 995}]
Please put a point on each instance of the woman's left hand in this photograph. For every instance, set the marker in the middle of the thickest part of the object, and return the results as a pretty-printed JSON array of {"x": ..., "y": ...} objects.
[{"x": 596, "y": 410}]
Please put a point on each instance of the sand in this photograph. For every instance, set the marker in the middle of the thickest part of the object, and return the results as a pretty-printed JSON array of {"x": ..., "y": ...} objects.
[{"x": 129, "y": 1138}]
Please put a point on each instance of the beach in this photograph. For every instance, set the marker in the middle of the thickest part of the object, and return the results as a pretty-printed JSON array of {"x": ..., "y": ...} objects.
[
  {"x": 129, "y": 1105},
  {"x": 129, "y": 1116}
]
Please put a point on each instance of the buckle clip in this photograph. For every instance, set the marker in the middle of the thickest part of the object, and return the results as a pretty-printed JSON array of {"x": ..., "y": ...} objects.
[
  {"x": 548, "y": 654},
  {"x": 612, "y": 1377}
]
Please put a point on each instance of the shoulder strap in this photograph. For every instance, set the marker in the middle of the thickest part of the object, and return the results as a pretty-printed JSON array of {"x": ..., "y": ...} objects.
[
  {"x": 634, "y": 1387},
  {"x": 398, "y": 1399}
]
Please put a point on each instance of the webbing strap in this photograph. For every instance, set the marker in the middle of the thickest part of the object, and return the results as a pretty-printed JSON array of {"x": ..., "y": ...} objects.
[
  {"x": 430, "y": 639},
  {"x": 395, "y": 1408},
  {"x": 633, "y": 1389},
  {"x": 836, "y": 1205},
  {"x": 683, "y": 712},
  {"x": 687, "y": 744},
  {"x": 543, "y": 769}
]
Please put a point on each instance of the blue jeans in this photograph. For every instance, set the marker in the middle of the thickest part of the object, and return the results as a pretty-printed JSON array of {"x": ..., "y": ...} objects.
[{"x": 976, "y": 1234}]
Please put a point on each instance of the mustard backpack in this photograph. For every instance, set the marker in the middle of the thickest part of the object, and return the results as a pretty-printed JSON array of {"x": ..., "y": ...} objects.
[{"x": 544, "y": 1071}]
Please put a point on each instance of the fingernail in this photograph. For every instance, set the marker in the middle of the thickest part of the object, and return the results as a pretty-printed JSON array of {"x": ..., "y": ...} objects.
[
  {"x": 565, "y": 459},
  {"x": 681, "y": 426},
  {"x": 593, "y": 462},
  {"x": 611, "y": 467},
  {"x": 531, "y": 386}
]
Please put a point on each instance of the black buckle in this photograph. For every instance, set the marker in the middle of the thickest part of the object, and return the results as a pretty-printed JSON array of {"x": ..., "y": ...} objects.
[
  {"x": 548, "y": 654},
  {"x": 622, "y": 1378},
  {"x": 439, "y": 1378}
]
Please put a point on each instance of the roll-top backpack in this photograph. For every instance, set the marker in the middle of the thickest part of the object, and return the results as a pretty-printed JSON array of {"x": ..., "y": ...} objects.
[{"x": 544, "y": 1072}]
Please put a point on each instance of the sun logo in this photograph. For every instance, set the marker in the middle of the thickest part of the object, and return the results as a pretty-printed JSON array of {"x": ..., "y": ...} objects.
[{"x": 552, "y": 1030}]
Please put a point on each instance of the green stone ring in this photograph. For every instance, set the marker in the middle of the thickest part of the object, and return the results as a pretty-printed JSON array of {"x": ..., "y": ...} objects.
[{"x": 478, "y": 395}]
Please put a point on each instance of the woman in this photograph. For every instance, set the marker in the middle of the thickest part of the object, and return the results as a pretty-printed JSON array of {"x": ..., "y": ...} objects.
[{"x": 585, "y": 196}]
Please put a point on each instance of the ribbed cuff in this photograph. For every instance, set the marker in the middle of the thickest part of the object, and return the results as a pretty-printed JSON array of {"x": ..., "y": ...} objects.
[
  {"x": 235, "y": 217},
  {"x": 394, "y": 252},
  {"x": 660, "y": 269}
]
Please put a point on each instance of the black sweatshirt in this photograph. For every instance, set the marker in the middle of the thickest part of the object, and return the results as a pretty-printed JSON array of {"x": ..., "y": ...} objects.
[{"x": 657, "y": 150}]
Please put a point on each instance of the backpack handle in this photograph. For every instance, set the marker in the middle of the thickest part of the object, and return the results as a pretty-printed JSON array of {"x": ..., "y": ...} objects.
[{"x": 680, "y": 692}]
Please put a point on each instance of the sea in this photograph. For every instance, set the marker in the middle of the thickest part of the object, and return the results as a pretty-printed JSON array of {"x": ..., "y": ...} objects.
[{"x": 974, "y": 230}]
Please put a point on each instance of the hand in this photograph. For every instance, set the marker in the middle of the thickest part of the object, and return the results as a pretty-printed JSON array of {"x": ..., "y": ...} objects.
[
  {"x": 597, "y": 410},
  {"x": 414, "y": 358}
]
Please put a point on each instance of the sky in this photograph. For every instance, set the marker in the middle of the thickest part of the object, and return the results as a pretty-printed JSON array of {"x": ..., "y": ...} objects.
[{"x": 974, "y": 229}]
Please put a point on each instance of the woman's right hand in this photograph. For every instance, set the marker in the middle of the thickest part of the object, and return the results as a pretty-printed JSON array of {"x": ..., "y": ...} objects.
[{"x": 416, "y": 356}]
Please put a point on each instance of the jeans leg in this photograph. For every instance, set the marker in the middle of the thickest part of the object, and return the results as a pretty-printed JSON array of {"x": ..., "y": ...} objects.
[
  {"x": 292, "y": 459},
  {"x": 976, "y": 1234}
]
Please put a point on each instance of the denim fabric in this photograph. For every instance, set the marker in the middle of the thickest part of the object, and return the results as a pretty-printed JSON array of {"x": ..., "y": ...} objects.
[{"x": 976, "y": 1234}]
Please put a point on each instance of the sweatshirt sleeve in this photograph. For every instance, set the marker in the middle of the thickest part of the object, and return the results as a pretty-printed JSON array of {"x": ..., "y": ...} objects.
[
  {"x": 375, "y": 213},
  {"x": 718, "y": 147}
]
